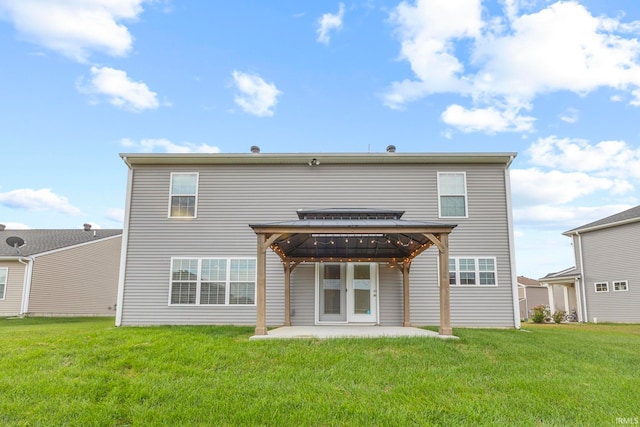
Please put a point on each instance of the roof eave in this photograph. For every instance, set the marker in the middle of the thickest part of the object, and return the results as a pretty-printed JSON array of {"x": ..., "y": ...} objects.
[{"x": 132, "y": 159}]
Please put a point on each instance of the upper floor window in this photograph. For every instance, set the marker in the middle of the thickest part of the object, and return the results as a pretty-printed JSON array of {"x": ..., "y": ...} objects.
[
  {"x": 472, "y": 271},
  {"x": 184, "y": 194},
  {"x": 621, "y": 285},
  {"x": 3, "y": 281},
  {"x": 452, "y": 193}
]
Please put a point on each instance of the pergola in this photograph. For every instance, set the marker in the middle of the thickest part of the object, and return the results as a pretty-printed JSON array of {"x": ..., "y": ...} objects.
[{"x": 351, "y": 235}]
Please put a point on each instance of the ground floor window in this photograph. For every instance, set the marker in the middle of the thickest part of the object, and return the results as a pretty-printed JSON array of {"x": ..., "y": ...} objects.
[
  {"x": 3, "y": 281},
  {"x": 602, "y": 286},
  {"x": 213, "y": 281},
  {"x": 472, "y": 271},
  {"x": 621, "y": 285}
]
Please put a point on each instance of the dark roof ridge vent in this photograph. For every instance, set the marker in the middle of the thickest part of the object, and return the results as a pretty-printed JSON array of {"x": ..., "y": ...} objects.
[
  {"x": 391, "y": 148},
  {"x": 87, "y": 227},
  {"x": 255, "y": 149},
  {"x": 2, "y": 227}
]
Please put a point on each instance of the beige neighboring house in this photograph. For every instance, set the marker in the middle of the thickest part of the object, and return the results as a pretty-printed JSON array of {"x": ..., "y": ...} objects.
[
  {"x": 530, "y": 294},
  {"x": 59, "y": 272}
]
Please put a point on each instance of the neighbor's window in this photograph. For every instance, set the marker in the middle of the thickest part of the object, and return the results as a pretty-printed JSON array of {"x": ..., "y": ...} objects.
[
  {"x": 452, "y": 193},
  {"x": 602, "y": 287},
  {"x": 3, "y": 281},
  {"x": 621, "y": 285},
  {"x": 472, "y": 271},
  {"x": 184, "y": 192},
  {"x": 213, "y": 281}
]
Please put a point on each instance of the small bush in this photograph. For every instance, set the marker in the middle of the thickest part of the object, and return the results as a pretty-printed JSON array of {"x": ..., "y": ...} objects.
[
  {"x": 540, "y": 313},
  {"x": 558, "y": 316}
]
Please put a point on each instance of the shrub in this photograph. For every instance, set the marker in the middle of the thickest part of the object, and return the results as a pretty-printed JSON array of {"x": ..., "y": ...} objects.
[
  {"x": 540, "y": 313},
  {"x": 558, "y": 316}
]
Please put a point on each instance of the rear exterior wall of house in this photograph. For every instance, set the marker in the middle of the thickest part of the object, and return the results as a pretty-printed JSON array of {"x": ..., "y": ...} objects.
[{"x": 230, "y": 197}]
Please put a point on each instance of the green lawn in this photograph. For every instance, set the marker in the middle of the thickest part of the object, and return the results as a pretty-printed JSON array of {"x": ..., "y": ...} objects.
[{"x": 87, "y": 372}]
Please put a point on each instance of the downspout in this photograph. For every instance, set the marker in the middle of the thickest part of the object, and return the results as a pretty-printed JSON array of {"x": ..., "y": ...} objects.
[
  {"x": 26, "y": 286},
  {"x": 512, "y": 249},
  {"x": 583, "y": 278},
  {"x": 125, "y": 244}
]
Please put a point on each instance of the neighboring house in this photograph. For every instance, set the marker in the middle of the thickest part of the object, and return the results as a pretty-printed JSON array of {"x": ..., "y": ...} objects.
[
  {"x": 59, "y": 272},
  {"x": 604, "y": 286},
  {"x": 530, "y": 294},
  {"x": 260, "y": 239}
]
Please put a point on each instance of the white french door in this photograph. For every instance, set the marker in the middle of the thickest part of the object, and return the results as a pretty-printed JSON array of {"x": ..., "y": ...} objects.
[{"x": 347, "y": 293}]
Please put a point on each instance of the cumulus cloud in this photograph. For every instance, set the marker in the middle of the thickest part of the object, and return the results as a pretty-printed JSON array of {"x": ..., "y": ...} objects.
[
  {"x": 569, "y": 116},
  {"x": 255, "y": 96},
  {"x": 164, "y": 145},
  {"x": 329, "y": 22},
  {"x": 489, "y": 120},
  {"x": 606, "y": 158},
  {"x": 37, "y": 200},
  {"x": 120, "y": 90},
  {"x": 508, "y": 60},
  {"x": 75, "y": 28},
  {"x": 16, "y": 226}
]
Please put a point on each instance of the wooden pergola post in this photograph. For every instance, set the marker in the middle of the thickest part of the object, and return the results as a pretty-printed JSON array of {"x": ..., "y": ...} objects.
[
  {"x": 261, "y": 284},
  {"x": 287, "y": 293},
  {"x": 445, "y": 297},
  {"x": 405, "y": 293}
]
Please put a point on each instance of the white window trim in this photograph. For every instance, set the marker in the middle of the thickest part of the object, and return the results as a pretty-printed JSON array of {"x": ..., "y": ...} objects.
[
  {"x": 477, "y": 271},
  {"x": 595, "y": 287},
  {"x": 466, "y": 198},
  {"x": 227, "y": 290},
  {"x": 195, "y": 210},
  {"x": 6, "y": 281},
  {"x": 626, "y": 286}
]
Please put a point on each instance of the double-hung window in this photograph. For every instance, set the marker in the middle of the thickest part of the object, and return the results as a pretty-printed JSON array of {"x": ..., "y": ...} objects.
[
  {"x": 213, "y": 281},
  {"x": 472, "y": 271},
  {"x": 183, "y": 195},
  {"x": 452, "y": 194},
  {"x": 3, "y": 281}
]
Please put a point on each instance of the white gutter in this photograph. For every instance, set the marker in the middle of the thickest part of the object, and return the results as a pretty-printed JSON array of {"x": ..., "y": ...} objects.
[
  {"x": 512, "y": 249},
  {"x": 26, "y": 286},
  {"x": 125, "y": 245},
  {"x": 582, "y": 277}
]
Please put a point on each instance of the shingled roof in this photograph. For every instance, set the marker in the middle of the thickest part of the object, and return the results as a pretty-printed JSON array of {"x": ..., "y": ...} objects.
[
  {"x": 38, "y": 241},
  {"x": 630, "y": 215}
]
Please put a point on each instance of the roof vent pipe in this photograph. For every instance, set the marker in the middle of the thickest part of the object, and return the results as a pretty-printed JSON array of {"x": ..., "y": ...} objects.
[
  {"x": 87, "y": 227},
  {"x": 2, "y": 227},
  {"x": 255, "y": 149},
  {"x": 391, "y": 148}
]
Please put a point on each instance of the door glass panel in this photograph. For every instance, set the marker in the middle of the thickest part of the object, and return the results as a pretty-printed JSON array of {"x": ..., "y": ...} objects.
[
  {"x": 361, "y": 289},
  {"x": 332, "y": 288}
]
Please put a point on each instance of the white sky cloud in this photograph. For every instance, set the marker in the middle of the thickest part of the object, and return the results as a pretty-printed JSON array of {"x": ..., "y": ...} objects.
[
  {"x": 37, "y": 200},
  {"x": 489, "y": 120},
  {"x": 329, "y": 22},
  {"x": 256, "y": 96},
  {"x": 561, "y": 47},
  {"x": 606, "y": 158},
  {"x": 16, "y": 226},
  {"x": 120, "y": 90},
  {"x": 115, "y": 214},
  {"x": 571, "y": 115},
  {"x": 164, "y": 145},
  {"x": 74, "y": 28}
]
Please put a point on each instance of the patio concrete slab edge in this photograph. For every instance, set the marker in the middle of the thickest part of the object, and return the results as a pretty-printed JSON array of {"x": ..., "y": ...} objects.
[{"x": 350, "y": 331}]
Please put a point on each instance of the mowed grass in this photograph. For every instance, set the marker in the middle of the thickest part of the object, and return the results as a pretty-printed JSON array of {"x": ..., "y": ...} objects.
[{"x": 86, "y": 372}]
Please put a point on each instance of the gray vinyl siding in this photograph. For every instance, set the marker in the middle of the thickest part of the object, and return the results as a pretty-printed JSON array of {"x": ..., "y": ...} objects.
[
  {"x": 233, "y": 196},
  {"x": 79, "y": 281},
  {"x": 10, "y": 305},
  {"x": 610, "y": 255}
]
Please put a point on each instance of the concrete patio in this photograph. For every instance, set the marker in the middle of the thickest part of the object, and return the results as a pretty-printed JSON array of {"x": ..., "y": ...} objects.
[{"x": 348, "y": 331}]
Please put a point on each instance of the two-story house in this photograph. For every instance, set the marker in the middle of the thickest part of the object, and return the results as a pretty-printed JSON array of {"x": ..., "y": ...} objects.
[
  {"x": 318, "y": 239},
  {"x": 604, "y": 285}
]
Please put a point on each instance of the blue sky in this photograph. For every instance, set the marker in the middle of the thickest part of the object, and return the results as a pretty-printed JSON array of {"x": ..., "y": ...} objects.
[{"x": 557, "y": 82}]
